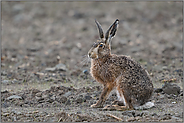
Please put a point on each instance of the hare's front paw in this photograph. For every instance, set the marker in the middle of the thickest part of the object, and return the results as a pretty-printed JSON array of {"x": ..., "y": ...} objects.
[{"x": 96, "y": 106}]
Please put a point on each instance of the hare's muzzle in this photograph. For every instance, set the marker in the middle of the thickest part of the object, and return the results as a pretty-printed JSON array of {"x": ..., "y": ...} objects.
[{"x": 92, "y": 54}]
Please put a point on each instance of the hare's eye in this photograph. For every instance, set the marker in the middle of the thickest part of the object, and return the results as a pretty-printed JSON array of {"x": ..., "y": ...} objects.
[{"x": 100, "y": 45}]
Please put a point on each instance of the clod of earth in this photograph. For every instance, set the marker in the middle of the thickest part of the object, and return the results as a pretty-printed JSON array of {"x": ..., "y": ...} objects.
[{"x": 170, "y": 88}]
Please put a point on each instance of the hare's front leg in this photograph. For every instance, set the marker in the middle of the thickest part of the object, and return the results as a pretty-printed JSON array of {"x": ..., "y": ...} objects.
[{"x": 106, "y": 90}]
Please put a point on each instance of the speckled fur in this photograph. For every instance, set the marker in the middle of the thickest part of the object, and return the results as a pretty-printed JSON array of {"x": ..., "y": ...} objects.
[{"x": 122, "y": 73}]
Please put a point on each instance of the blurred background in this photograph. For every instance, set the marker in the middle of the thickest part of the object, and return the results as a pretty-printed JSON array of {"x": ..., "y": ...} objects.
[{"x": 46, "y": 43}]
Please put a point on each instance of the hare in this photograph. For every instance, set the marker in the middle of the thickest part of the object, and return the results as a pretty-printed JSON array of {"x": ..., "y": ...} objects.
[{"x": 130, "y": 80}]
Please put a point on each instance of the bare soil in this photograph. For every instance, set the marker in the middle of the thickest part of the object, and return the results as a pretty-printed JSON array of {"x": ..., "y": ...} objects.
[{"x": 45, "y": 70}]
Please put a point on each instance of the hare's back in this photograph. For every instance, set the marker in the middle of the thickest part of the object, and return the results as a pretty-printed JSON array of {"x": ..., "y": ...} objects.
[{"x": 135, "y": 80}]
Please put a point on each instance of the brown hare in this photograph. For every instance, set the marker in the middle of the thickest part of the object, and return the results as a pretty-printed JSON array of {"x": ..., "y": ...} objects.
[{"x": 130, "y": 80}]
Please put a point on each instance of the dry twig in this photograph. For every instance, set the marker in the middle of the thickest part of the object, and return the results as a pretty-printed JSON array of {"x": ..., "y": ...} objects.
[{"x": 115, "y": 117}]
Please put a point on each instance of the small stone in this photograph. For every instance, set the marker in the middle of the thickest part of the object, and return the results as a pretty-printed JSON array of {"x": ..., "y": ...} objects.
[
  {"x": 50, "y": 69},
  {"x": 67, "y": 94},
  {"x": 34, "y": 91},
  {"x": 39, "y": 99},
  {"x": 3, "y": 73},
  {"x": 34, "y": 48},
  {"x": 79, "y": 100},
  {"x": 5, "y": 114},
  {"x": 5, "y": 105},
  {"x": 5, "y": 91},
  {"x": 165, "y": 68},
  {"x": 131, "y": 119},
  {"x": 87, "y": 97},
  {"x": 61, "y": 67},
  {"x": 154, "y": 114},
  {"x": 14, "y": 97},
  {"x": 85, "y": 72},
  {"x": 39, "y": 105},
  {"x": 15, "y": 81},
  {"x": 68, "y": 102},
  {"x": 179, "y": 71},
  {"x": 6, "y": 81},
  {"x": 174, "y": 102},
  {"x": 161, "y": 96},
  {"x": 61, "y": 99},
  {"x": 170, "y": 88},
  {"x": 45, "y": 96},
  {"x": 39, "y": 94},
  {"x": 50, "y": 100},
  {"x": 53, "y": 97}
]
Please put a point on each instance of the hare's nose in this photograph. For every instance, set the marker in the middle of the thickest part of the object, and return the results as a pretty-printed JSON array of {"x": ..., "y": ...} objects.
[{"x": 89, "y": 54}]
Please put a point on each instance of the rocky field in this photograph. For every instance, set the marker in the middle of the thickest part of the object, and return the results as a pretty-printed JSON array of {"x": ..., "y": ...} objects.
[{"x": 45, "y": 69}]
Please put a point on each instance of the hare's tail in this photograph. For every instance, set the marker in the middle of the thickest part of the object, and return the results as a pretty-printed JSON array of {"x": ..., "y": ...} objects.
[{"x": 147, "y": 105}]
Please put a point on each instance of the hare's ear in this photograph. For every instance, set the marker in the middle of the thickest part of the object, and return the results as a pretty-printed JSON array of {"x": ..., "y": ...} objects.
[
  {"x": 111, "y": 31},
  {"x": 100, "y": 30}
]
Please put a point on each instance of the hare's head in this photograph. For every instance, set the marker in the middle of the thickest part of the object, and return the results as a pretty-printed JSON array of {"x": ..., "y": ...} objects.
[{"x": 103, "y": 46}]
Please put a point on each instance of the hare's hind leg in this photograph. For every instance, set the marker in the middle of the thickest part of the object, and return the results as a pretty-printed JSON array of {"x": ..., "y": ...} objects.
[
  {"x": 123, "y": 96},
  {"x": 106, "y": 90}
]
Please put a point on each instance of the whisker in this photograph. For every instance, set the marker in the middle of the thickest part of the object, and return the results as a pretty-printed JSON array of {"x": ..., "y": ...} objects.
[
  {"x": 88, "y": 60},
  {"x": 84, "y": 56},
  {"x": 84, "y": 61}
]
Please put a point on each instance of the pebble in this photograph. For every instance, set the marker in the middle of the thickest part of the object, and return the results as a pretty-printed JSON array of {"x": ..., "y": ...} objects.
[
  {"x": 5, "y": 91},
  {"x": 50, "y": 100},
  {"x": 5, "y": 114},
  {"x": 50, "y": 69},
  {"x": 14, "y": 97},
  {"x": 61, "y": 67},
  {"x": 67, "y": 94},
  {"x": 79, "y": 100},
  {"x": 61, "y": 99},
  {"x": 68, "y": 102},
  {"x": 16, "y": 81},
  {"x": 161, "y": 96},
  {"x": 6, "y": 81},
  {"x": 35, "y": 91},
  {"x": 39, "y": 105},
  {"x": 3, "y": 73},
  {"x": 39, "y": 94},
  {"x": 130, "y": 119},
  {"x": 5, "y": 105},
  {"x": 179, "y": 71},
  {"x": 26, "y": 105},
  {"x": 85, "y": 72},
  {"x": 45, "y": 96},
  {"x": 154, "y": 114},
  {"x": 34, "y": 48},
  {"x": 87, "y": 97}
]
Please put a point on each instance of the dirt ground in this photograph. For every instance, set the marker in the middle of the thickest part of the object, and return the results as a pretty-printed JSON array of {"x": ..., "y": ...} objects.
[{"x": 44, "y": 65}]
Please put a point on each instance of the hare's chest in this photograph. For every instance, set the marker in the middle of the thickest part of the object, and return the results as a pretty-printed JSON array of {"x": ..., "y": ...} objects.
[{"x": 102, "y": 73}]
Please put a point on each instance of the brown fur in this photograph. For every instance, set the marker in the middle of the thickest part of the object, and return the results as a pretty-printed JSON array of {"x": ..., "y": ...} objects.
[{"x": 122, "y": 73}]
